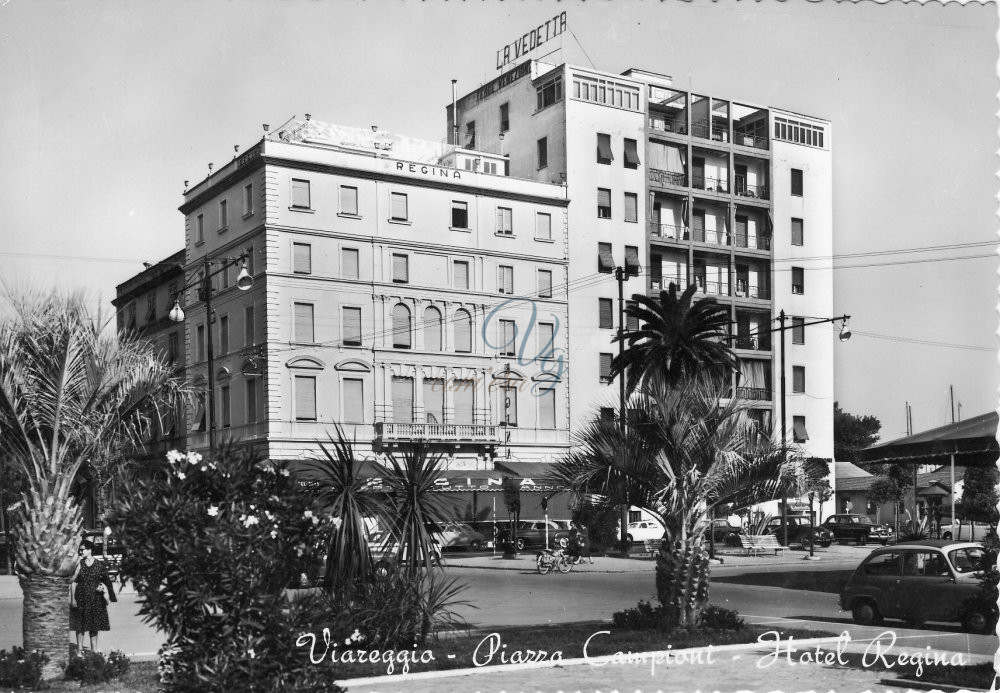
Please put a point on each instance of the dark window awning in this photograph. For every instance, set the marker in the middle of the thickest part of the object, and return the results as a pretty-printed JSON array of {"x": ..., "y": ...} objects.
[
  {"x": 631, "y": 153},
  {"x": 632, "y": 265},
  {"x": 604, "y": 148},
  {"x": 972, "y": 443},
  {"x": 800, "y": 431},
  {"x": 605, "y": 261}
]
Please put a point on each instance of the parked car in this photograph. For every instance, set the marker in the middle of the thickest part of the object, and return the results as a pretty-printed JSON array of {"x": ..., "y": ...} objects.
[
  {"x": 800, "y": 532},
  {"x": 725, "y": 532},
  {"x": 929, "y": 580},
  {"x": 857, "y": 528},
  {"x": 962, "y": 531},
  {"x": 532, "y": 533},
  {"x": 459, "y": 534},
  {"x": 644, "y": 529}
]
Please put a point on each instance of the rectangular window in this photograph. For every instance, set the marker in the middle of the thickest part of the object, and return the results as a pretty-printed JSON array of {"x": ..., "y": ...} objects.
[
  {"x": 223, "y": 214},
  {"x": 798, "y": 280},
  {"x": 300, "y": 194},
  {"x": 402, "y": 400},
  {"x": 249, "y": 334},
  {"x": 224, "y": 277},
  {"x": 798, "y": 378},
  {"x": 463, "y": 400},
  {"x": 248, "y": 199},
  {"x": 605, "y": 365},
  {"x": 508, "y": 407},
  {"x": 201, "y": 342},
  {"x": 302, "y": 330},
  {"x": 797, "y": 182},
  {"x": 224, "y": 334},
  {"x": 544, "y": 284},
  {"x": 604, "y": 155},
  {"x": 301, "y": 258},
  {"x": 547, "y": 409},
  {"x": 200, "y": 229},
  {"x": 631, "y": 154},
  {"x": 603, "y": 203},
  {"x": 605, "y": 313},
  {"x": 398, "y": 207},
  {"x": 507, "y": 345},
  {"x": 354, "y": 401},
  {"x": 172, "y": 347},
  {"x": 549, "y": 93},
  {"x": 546, "y": 339},
  {"x": 460, "y": 272},
  {"x": 459, "y": 215},
  {"x": 505, "y": 279},
  {"x": 799, "y": 433},
  {"x": 433, "y": 401},
  {"x": 251, "y": 389},
  {"x": 543, "y": 226},
  {"x": 608, "y": 414},
  {"x": 505, "y": 221},
  {"x": 400, "y": 269},
  {"x": 543, "y": 152},
  {"x": 150, "y": 307},
  {"x": 470, "y": 135},
  {"x": 352, "y": 326},
  {"x": 504, "y": 117},
  {"x": 305, "y": 398},
  {"x": 349, "y": 263},
  {"x": 798, "y": 331},
  {"x": 348, "y": 200},
  {"x": 605, "y": 261},
  {"x": 797, "y": 235},
  {"x": 631, "y": 322},
  {"x": 631, "y": 207},
  {"x": 225, "y": 405}
]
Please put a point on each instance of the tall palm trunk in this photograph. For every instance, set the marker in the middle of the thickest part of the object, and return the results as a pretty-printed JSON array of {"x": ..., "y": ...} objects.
[{"x": 682, "y": 581}]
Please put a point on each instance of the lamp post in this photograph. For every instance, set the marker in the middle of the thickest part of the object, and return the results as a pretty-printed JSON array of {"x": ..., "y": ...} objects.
[
  {"x": 845, "y": 334},
  {"x": 243, "y": 282}
]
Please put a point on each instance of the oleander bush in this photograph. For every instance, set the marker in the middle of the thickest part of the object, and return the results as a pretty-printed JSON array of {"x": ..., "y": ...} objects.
[
  {"x": 211, "y": 546},
  {"x": 21, "y": 669},
  {"x": 719, "y": 618},
  {"x": 91, "y": 667},
  {"x": 644, "y": 616}
]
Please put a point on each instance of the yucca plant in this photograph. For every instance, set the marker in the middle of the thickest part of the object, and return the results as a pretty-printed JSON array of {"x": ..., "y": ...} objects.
[{"x": 70, "y": 393}]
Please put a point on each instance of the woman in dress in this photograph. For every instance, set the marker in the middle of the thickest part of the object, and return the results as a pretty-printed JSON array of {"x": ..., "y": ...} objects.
[{"x": 89, "y": 595}]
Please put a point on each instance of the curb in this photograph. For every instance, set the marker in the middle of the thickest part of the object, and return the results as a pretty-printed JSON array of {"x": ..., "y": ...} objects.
[{"x": 927, "y": 686}]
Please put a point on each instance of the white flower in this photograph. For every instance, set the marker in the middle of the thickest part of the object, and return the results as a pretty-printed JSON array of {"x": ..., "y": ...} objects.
[
  {"x": 284, "y": 472},
  {"x": 194, "y": 458},
  {"x": 173, "y": 457},
  {"x": 204, "y": 469},
  {"x": 213, "y": 511},
  {"x": 268, "y": 515},
  {"x": 249, "y": 520},
  {"x": 308, "y": 514},
  {"x": 181, "y": 475},
  {"x": 251, "y": 653},
  {"x": 274, "y": 535},
  {"x": 336, "y": 522}
]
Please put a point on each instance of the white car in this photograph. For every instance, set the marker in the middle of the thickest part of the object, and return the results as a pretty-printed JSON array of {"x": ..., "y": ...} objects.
[
  {"x": 962, "y": 531},
  {"x": 645, "y": 529}
]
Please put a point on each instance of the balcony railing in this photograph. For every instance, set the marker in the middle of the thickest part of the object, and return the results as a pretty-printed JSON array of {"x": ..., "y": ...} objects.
[
  {"x": 473, "y": 433},
  {"x": 675, "y": 232},
  {"x": 751, "y": 291},
  {"x": 742, "y": 240},
  {"x": 711, "y": 236},
  {"x": 751, "y": 141},
  {"x": 759, "y": 343},
  {"x": 757, "y": 393},
  {"x": 667, "y": 177},
  {"x": 664, "y": 125},
  {"x": 743, "y": 189},
  {"x": 710, "y": 184},
  {"x": 713, "y": 288}
]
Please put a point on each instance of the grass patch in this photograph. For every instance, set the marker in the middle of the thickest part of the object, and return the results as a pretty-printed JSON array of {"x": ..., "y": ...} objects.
[
  {"x": 974, "y": 676},
  {"x": 140, "y": 678}
]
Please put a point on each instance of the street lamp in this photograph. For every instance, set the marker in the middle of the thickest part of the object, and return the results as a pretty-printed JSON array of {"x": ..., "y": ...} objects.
[{"x": 243, "y": 282}]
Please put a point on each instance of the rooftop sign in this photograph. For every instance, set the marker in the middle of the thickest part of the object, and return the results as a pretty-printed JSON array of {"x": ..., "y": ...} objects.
[{"x": 531, "y": 40}]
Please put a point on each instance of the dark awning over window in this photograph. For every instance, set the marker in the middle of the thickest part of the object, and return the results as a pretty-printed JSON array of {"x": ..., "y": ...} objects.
[
  {"x": 605, "y": 262},
  {"x": 604, "y": 148},
  {"x": 631, "y": 153},
  {"x": 800, "y": 431},
  {"x": 631, "y": 260}
]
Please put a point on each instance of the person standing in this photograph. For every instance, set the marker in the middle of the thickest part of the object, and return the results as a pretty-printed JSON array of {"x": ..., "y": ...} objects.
[
  {"x": 91, "y": 585},
  {"x": 583, "y": 538}
]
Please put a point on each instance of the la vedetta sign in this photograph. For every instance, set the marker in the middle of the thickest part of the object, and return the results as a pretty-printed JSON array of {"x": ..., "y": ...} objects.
[
  {"x": 456, "y": 484},
  {"x": 531, "y": 40}
]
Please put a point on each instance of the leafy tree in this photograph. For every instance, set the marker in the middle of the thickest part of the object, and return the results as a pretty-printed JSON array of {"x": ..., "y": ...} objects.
[
  {"x": 852, "y": 433},
  {"x": 979, "y": 495},
  {"x": 70, "y": 393}
]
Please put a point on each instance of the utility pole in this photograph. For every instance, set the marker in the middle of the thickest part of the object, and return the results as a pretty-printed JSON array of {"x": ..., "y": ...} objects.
[{"x": 951, "y": 397}]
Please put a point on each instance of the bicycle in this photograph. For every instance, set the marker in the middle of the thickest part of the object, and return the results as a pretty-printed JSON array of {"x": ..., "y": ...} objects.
[{"x": 547, "y": 559}]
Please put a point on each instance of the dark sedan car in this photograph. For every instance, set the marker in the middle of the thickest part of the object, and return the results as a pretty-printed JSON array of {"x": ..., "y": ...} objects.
[
  {"x": 800, "y": 532},
  {"x": 857, "y": 528}
]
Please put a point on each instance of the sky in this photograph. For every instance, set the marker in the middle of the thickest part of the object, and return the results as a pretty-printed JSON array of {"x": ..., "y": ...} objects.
[{"x": 108, "y": 107}]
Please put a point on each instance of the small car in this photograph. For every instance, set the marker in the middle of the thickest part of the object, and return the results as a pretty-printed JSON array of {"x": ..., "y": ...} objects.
[
  {"x": 919, "y": 581},
  {"x": 459, "y": 534},
  {"x": 858, "y": 528},
  {"x": 644, "y": 529},
  {"x": 800, "y": 532},
  {"x": 533, "y": 533},
  {"x": 962, "y": 531}
]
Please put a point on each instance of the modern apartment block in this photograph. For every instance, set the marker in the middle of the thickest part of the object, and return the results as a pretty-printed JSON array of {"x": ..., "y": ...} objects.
[
  {"x": 392, "y": 280},
  {"x": 695, "y": 188}
]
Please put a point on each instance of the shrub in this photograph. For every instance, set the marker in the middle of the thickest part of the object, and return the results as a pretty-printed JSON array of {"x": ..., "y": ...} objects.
[
  {"x": 19, "y": 668},
  {"x": 718, "y": 618},
  {"x": 211, "y": 547},
  {"x": 644, "y": 616},
  {"x": 91, "y": 667}
]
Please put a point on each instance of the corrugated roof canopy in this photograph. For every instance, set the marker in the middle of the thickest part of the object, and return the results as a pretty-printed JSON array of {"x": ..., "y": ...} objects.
[{"x": 973, "y": 442}]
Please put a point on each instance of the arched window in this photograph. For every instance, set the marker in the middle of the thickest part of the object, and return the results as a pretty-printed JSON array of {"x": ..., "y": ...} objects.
[
  {"x": 463, "y": 331},
  {"x": 401, "y": 327},
  {"x": 432, "y": 329}
]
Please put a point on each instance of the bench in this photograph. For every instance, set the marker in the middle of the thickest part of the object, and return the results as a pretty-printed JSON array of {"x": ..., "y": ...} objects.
[
  {"x": 652, "y": 546},
  {"x": 754, "y": 543}
]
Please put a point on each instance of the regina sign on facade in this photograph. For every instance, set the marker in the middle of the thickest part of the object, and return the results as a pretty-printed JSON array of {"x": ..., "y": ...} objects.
[{"x": 531, "y": 40}]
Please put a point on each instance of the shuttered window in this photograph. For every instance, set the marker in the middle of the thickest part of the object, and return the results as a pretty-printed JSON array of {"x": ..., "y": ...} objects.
[
  {"x": 605, "y": 261},
  {"x": 505, "y": 279},
  {"x": 798, "y": 280},
  {"x": 797, "y": 235},
  {"x": 631, "y": 322},
  {"x": 544, "y": 284},
  {"x": 348, "y": 200},
  {"x": 459, "y": 215},
  {"x": 402, "y": 400},
  {"x": 507, "y": 331},
  {"x": 463, "y": 331},
  {"x": 631, "y": 154},
  {"x": 604, "y": 155},
  {"x": 251, "y": 390},
  {"x": 543, "y": 226},
  {"x": 224, "y": 335},
  {"x": 461, "y": 274},
  {"x": 398, "y": 207},
  {"x": 400, "y": 269},
  {"x": 302, "y": 258},
  {"x": 631, "y": 207},
  {"x": 352, "y": 326},
  {"x": 349, "y": 263},
  {"x": 798, "y": 378},
  {"x": 354, "y": 401},
  {"x": 798, "y": 331},
  {"x": 300, "y": 193},
  {"x": 547, "y": 409},
  {"x": 401, "y": 327},
  {"x": 302, "y": 330},
  {"x": 605, "y": 365},
  {"x": 432, "y": 329},
  {"x": 463, "y": 399},
  {"x": 249, "y": 335},
  {"x": 605, "y": 313},
  {"x": 434, "y": 401},
  {"x": 505, "y": 221},
  {"x": 603, "y": 203},
  {"x": 546, "y": 339},
  {"x": 225, "y": 406},
  {"x": 797, "y": 182},
  {"x": 305, "y": 398}
]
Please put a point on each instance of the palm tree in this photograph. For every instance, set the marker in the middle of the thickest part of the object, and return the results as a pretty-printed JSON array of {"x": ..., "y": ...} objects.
[
  {"x": 677, "y": 339},
  {"x": 70, "y": 393}
]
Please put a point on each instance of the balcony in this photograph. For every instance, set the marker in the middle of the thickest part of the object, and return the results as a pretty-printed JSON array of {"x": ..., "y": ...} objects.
[
  {"x": 742, "y": 240},
  {"x": 759, "y": 343},
  {"x": 713, "y": 236},
  {"x": 709, "y": 184},
  {"x": 743, "y": 189},
  {"x": 712, "y": 288},
  {"x": 457, "y": 433},
  {"x": 751, "y": 291},
  {"x": 245, "y": 432},
  {"x": 745, "y": 140},
  {"x": 667, "y": 177},
  {"x": 754, "y": 393},
  {"x": 673, "y": 232}
]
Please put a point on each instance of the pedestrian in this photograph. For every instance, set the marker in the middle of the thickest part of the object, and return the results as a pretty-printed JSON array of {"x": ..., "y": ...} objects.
[
  {"x": 937, "y": 520},
  {"x": 573, "y": 545},
  {"x": 90, "y": 593},
  {"x": 583, "y": 538}
]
